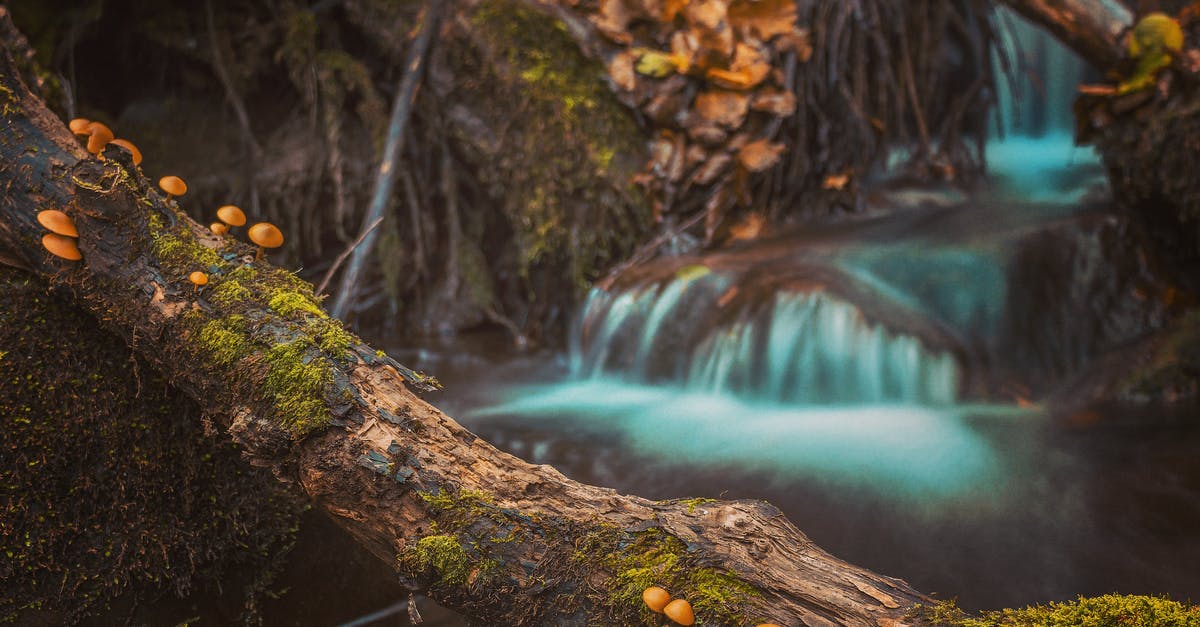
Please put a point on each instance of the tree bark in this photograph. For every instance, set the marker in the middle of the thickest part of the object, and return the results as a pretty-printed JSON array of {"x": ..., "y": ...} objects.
[
  {"x": 1092, "y": 28},
  {"x": 501, "y": 540}
]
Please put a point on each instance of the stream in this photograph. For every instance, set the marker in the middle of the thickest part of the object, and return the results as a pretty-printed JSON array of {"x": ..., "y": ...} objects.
[{"x": 882, "y": 381}]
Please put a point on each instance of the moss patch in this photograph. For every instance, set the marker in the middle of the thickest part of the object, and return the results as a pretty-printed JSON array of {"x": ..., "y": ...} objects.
[
  {"x": 655, "y": 558},
  {"x": 297, "y": 381},
  {"x": 1110, "y": 610}
]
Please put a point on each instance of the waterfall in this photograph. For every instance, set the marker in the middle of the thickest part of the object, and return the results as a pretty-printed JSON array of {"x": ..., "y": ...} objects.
[
  {"x": 790, "y": 348},
  {"x": 1031, "y": 152}
]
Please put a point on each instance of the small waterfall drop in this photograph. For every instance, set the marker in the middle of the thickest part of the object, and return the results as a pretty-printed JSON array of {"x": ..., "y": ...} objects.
[
  {"x": 792, "y": 348},
  {"x": 1032, "y": 152}
]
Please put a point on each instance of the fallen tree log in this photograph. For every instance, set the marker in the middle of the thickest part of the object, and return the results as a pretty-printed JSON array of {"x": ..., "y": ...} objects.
[
  {"x": 1092, "y": 28},
  {"x": 501, "y": 540}
]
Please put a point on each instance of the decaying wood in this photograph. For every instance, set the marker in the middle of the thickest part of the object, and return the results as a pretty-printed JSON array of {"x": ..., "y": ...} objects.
[
  {"x": 1092, "y": 28},
  {"x": 526, "y": 544}
]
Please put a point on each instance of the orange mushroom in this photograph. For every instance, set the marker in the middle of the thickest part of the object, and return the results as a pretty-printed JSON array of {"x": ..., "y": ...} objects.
[
  {"x": 198, "y": 279},
  {"x": 231, "y": 215},
  {"x": 57, "y": 222},
  {"x": 133, "y": 150},
  {"x": 61, "y": 246},
  {"x": 173, "y": 186},
  {"x": 98, "y": 137},
  {"x": 656, "y": 598},
  {"x": 218, "y": 228},
  {"x": 680, "y": 611},
  {"x": 79, "y": 126},
  {"x": 265, "y": 235}
]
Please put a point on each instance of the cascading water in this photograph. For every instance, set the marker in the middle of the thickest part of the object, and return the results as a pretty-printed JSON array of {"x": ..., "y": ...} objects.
[
  {"x": 1032, "y": 153},
  {"x": 796, "y": 348}
]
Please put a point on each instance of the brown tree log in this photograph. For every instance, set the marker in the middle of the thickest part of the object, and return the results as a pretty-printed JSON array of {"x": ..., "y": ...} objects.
[
  {"x": 501, "y": 540},
  {"x": 1092, "y": 28}
]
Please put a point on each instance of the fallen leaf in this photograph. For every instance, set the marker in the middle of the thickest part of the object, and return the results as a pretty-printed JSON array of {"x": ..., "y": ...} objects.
[
  {"x": 760, "y": 155},
  {"x": 763, "y": 19},
  {"x": 777, "y": 102},
  {"x": 620, "y": 68},
  {"x": 706, "y": 19},
  {"x": 713, "y": 167},
  {"x": 655, "y": 63},
  {"x": 797, "y": 42},
  {"x": 749, "y": 228},
  {"x": 708, "y": 134},
  {"x": 836, "y": 181},
  {"x": 613, "y": 18},
  {"x": 692, "y": 272},
  {"x": 671, "y": 8},
  {"x": 748, "y": 69},
  {"x": 727, "y": 108}
]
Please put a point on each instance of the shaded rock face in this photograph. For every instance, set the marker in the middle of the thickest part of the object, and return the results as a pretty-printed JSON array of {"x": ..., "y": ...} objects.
[
  {"x": 111, "y": 483},
  {"x": 929, "y": 306}
]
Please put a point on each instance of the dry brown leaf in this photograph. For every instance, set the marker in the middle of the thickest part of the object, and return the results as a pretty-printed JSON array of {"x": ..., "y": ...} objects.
[
  {"x": 836, "y": 181},
  {"x": 727, "y": 108},
  {"x": 763, "y": 19},
  {"x": 760, "y": 155},
  {"x": 696, "y": 154},
  {"x": 796, "y": 41},
  {"x": 716, "y": 165},
  {"x": 620, "y": 68},
  {"x": 708, "y": 134},
  {"x": 706, "y": 18},
  {"x": 777, "y": 102},
  {"x": 748, "y": 228},
  {"x": 671, "y": 8},
  {"x": 665, "y": 106},
  {"x": 667, "y": 156},
  {"x": 748, "y": 69},
  {"x": 613, "y": 19}
]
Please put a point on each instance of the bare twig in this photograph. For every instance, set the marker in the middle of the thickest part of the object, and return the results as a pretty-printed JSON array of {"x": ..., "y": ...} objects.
[
  {"x": 337, "y": 263},
  {"x": 385, "y": 177}
]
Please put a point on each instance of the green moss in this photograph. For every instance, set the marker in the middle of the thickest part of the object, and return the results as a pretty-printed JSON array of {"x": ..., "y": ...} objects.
[
  {"x": 227, "y": 292},
  {"x": 178, "y": 250},
  {"x": 692, "y": 504},
  {"x": 224, "y": 340},
  {"x": 445, "y": 555},
  {"x": 330, "y": 336},
  {"x": 656, "y": 558},
  {"x": 1110, "y": 610},
  {"x": 567, "y": 202},
  {"x": 296, "y": 384},
  {"x": 289, "y": 302}
]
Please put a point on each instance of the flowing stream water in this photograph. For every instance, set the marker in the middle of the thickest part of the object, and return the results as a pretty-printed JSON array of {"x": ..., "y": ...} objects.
[{"x": 880, "y": 381}]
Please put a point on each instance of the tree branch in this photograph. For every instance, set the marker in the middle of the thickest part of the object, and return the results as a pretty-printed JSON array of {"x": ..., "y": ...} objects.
[{"x": 1092, "y": 28}]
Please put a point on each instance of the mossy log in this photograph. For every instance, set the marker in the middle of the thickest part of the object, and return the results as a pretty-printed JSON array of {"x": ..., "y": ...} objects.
[{"x": 503, "y": 541}]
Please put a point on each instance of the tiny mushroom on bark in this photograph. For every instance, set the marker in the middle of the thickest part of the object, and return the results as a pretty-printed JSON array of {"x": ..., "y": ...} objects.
[
  {"x": 656, "y": 598},
  {"x": 61, "y": 246},
  {"x": 198, "y": 279},
  {"x": 231, "y": 215},
  {"x": 79, "y": 126},
  {"x": 133, "y": 150},
  {"x": 265, "y": 235},
  {"x": 98, "y": 137},
  {"x": 57, "y": 222},
  {"x": 218, "y": 228},
  {"x": 173, "y": 186},
  {"x": 680, "y": 611}
]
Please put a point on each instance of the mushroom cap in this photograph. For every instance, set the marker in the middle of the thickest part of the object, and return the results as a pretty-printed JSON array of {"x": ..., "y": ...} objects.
[
  {"x": 218, "y": 228},
  {"x": 680, "y": 611},
  {"x": 57, "y": 222},
  {"x": 231, "y": 215},
  {"x": 79, "y": 126},
  {"x": 98, "y": 137},
  {"x": 266, "y": 235},
  {"x": 199, "y": 278},
  {"x": 173, "y": 185},
  {"x": 128, "y": 145},
  {"x": 656, "y": 598},
  {"x": 61, "y": 246}
]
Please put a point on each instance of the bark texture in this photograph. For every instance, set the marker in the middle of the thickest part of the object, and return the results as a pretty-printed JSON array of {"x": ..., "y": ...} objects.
[{"x": 501, "y": 540}]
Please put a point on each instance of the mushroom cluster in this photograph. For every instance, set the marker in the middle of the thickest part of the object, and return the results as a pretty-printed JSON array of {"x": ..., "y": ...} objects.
[
  {"x": 60, "y": 241},
  {"x": 660, "y": 602},
  {"x": 99, "y": 136},
  {"x": 263, "y": 234}
]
